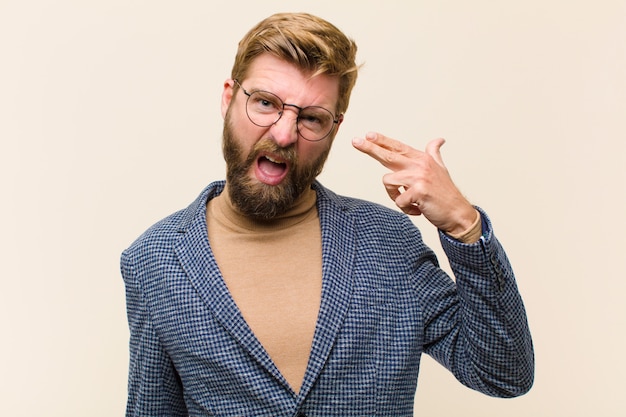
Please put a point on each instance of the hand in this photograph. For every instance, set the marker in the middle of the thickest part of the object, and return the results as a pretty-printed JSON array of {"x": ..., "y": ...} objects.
[{"x": 419, "y": 182}]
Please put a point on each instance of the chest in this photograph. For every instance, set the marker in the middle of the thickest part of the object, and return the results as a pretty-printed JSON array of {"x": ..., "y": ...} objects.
[
  {"x": 276, "y": 287},
  {"x": 275, "y": 281}
]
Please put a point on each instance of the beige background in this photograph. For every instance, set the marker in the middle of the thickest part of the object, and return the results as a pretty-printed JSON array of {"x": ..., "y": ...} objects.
[{"x": 109, "y": 120}]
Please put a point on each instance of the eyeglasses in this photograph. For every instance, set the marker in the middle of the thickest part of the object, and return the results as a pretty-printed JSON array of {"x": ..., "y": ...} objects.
[{"x": 264, "y": 109}]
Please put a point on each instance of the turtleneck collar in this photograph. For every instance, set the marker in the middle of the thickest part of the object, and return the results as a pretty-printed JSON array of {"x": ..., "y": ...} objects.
[{"x": 223, "y": 210}]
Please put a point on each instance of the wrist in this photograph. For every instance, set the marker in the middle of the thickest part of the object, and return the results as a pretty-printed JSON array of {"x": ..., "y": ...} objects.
[{"x": 468, "y": 234}]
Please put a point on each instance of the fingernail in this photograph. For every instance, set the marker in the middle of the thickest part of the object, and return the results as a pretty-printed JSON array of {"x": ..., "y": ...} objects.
[
  {"x": 370, "y": 135},
  {"x": 357, "y": 141}
]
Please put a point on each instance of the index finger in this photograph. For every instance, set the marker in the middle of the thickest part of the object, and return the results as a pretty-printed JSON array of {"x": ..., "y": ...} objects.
[{"x": 387, "y": 151}]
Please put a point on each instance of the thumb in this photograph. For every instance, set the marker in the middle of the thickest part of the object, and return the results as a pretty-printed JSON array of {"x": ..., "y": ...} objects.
[{"x": 433, "y": 149}]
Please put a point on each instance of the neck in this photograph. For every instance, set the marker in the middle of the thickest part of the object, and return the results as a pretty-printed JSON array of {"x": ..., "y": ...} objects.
[{"x": 301, "y": 208}]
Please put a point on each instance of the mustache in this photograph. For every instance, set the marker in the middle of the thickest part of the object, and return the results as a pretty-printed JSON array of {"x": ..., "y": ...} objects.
[{"x": 268, "y": 146}]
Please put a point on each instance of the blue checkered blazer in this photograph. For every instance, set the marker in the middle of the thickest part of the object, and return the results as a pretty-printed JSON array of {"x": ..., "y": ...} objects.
[{"x": 385, "y": 301}]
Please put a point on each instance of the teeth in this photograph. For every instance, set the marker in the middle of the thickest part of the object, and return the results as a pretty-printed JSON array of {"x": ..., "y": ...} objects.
[{"x": 272, "y": 160}]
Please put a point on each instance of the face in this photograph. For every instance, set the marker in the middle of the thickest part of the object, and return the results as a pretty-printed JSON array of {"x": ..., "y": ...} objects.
[{"x": 268, "y": 168}]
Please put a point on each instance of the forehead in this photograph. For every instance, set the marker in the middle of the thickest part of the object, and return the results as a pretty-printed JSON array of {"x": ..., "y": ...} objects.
[{"x": 291, "y": 84}]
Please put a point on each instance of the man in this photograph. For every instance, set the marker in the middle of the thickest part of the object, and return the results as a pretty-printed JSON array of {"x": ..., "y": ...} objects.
[{"x": 272, "y": 296}]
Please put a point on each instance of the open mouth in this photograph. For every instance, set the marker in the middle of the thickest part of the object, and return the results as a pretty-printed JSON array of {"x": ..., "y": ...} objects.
[{"x": 271, "y": 170}]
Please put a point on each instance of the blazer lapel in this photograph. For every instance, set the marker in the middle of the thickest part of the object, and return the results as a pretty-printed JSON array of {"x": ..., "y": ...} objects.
[
  {"x": 338, "y": 256},
  {"x": 197, "y": 260}
]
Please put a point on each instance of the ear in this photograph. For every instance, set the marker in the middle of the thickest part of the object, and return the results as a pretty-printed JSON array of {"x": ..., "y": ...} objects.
[
  {"x": 227, "y": 95},
  {"x": 339, "y": 122}
]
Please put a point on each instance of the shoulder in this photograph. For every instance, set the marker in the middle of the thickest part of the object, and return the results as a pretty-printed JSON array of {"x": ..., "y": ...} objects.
[
  {"x": 362, "y": 211},
  {"x": 163, "y": 233},
  {"x": 368, "y": 222}
]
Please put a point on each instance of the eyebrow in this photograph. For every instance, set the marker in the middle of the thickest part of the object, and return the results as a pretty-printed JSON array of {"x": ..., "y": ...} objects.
[{"x": 257, "y": 90}]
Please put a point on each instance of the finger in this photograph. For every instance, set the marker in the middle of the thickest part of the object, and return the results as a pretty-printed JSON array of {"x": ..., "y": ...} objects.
[
  {"x": 393, "y": 191},
  {"x": 433, "y": 148},
  {"x": 405, "y": 202},
  {"x": 390, "y": 144},
  {"x": 393, "y": 188},
  {"x": 389, "y": 152},
  {"x": 397, "y": 191},
  {"x": 411, "y": 210}
]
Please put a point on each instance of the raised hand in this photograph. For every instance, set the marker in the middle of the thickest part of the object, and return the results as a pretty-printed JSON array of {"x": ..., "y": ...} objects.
[{"x": 419, "y": 182}]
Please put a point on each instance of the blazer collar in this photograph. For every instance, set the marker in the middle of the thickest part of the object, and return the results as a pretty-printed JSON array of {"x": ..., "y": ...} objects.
[{"x": 338, "y": 253}]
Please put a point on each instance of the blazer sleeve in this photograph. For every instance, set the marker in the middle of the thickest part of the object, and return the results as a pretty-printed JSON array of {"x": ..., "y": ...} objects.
[
  {"x": 154, "y": 388},
  {"x": 479, "y": 328}
]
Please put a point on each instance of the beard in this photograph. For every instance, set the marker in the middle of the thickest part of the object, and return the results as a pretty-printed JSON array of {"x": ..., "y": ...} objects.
[{"x": 258, "y": 200}]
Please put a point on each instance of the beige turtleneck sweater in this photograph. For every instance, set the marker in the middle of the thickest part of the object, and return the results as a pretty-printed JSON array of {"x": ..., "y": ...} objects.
[{"x": 273, "y": 270}]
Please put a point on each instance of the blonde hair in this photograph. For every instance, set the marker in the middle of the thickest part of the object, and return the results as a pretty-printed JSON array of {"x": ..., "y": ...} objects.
[{"x": 311, "y": 43}]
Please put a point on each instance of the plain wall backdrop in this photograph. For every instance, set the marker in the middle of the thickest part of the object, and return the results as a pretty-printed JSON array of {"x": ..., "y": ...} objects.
[{"x": 110, "y": 120}]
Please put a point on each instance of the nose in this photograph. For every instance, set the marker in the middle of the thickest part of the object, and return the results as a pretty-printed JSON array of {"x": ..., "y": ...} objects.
[{"x": 285, "y": 130}]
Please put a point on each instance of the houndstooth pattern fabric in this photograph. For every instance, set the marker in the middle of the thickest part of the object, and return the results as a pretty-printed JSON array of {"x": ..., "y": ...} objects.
[{"x": 385, "y": 301}]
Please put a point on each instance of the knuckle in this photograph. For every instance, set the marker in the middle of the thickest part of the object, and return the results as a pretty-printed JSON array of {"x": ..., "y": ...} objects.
[{"x": 390, "y": 157}]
